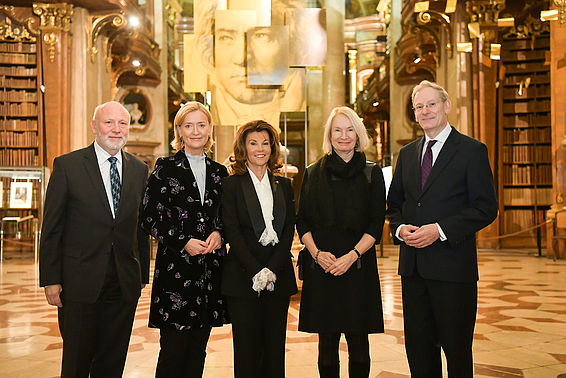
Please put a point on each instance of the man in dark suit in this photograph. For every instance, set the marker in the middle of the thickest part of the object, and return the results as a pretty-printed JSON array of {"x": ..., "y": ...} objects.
[
  {"x": 93, "y": 258},
  {"x": 441, "y": 194}
]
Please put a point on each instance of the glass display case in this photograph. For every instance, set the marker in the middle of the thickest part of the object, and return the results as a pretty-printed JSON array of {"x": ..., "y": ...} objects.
[{"x": 22, "y": 192}]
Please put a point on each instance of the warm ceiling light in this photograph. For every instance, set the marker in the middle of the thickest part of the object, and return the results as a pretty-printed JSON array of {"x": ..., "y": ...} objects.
[
  {"x": 382, "y": 5},
  {"x": 136, "y": 63},
  {"x": 474, "y": 29},
  {"x": 134, "y": 21},
  {"x": 450, "y": 6},
  {"x": 421, "y": 6},
  {"x": 549, "y": 15},
  {"x": 464, "y": 46},
  {"x": 376, "y": 104},
  {"x": 506, "y": 22},
  {"x": 417, "y": 59},
  {"x": 495, "y": 51}
]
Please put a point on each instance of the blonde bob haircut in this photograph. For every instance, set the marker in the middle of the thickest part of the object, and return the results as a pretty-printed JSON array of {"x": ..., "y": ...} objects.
[
  {"x": 362, "y": 141},
  {"x": 429, "y": 84},
  {"x": 189, "y": 107}
]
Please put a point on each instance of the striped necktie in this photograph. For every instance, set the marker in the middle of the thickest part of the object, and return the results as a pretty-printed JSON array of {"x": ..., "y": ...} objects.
[{"x": 115, "y": 183}]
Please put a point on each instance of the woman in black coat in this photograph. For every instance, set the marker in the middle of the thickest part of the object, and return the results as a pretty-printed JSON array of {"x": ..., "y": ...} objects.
[
  {"x": 181, "y": 209},
  {"x": 258, "y": 213},
  {"x": 340, "y": 219}
]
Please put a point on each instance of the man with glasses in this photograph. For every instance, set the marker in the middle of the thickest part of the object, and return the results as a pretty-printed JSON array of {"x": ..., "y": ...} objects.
[{"x": 441, "y": 194}]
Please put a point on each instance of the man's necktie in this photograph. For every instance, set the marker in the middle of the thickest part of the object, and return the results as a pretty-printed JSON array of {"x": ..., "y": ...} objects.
[
  {"x": 427, "y": 162},
  {"x": 115, "y": 183}
]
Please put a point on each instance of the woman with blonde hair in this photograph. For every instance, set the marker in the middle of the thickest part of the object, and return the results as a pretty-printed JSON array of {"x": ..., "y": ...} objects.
[
  {"x": 340, "y": 219},
  {"x": 258, "y": 212},
  {"x": 181, "y": 209}
]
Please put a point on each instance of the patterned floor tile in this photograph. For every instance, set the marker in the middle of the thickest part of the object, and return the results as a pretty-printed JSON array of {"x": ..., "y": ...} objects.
[{"x": 520, "y": 331}]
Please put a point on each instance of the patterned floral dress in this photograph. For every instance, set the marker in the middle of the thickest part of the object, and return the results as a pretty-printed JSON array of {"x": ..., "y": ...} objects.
[{"x": 186, "y": 289}]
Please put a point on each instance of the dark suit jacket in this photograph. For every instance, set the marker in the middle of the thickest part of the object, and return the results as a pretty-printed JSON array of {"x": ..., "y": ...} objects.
[
  {"x": 243, "y": 226},
  {"x": 78, "y": 231},
  {"x": 459, "y": 195}
]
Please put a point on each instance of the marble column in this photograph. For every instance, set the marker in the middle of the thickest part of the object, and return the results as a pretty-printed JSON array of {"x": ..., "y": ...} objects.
[
  {"x": 333, "y": 75},
  {"x": 398, "y": 128},
  {"x": 558, "y": 126},
  {"x": 55, "y": 60},
  {"x": 484, "y": 76}
]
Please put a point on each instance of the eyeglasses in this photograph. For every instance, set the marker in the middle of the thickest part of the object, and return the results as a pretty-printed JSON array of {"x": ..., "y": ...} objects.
[{"x": 432, "y": 106}]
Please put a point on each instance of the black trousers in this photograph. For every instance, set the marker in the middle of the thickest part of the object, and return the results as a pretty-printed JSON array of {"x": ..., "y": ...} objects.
[
  {"x": 329, "y": 360},
  {"x": 96, "y": 335},
  {"x": 439, "y": 314},
  {"x": 259, "y": 328},
  {"x": 182, "y": 352}
]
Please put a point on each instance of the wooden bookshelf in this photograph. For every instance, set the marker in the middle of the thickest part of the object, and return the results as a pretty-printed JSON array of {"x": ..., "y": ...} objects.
[
  {"x": 525, "y": 152},
  {"x": 21, "y": 134}
]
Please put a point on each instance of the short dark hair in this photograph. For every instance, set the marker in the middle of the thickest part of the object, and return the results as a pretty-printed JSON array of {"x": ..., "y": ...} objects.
[{"x": 239, "y": 158}]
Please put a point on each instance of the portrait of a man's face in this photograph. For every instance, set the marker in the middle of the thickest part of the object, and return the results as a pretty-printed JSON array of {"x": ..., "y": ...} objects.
[
  {"x": 267, "y": 55},
  {"x": 248, "y": 65},
  {"x": 230, "y": 55}
]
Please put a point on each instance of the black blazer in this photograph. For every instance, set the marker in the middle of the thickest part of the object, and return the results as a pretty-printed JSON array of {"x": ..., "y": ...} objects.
[
  {"x": 459, "y": 195},
  {"x": 243, "y": 226},
  {"x": 78, "y": 231}
]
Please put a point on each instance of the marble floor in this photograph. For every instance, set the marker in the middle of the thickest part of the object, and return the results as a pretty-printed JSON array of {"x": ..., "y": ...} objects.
[{"x": 520, "y": 331}]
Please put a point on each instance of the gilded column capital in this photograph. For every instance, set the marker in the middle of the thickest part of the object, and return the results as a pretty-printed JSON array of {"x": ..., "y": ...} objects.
[
  {"x": 54, "y": 16},
  {"x": 484, "y": 12}
]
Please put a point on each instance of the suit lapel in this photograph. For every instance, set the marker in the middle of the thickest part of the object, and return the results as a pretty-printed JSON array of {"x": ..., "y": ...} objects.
[
  {"x": 444, "y": 157},
  {"x": 93, "y": 171},
  {"x": 252, "y": 203},
  {"x": 279, "y": 208},
  {"x": 127, "y": 183},
  {"x": 414, "y": 166},
  {"x": 210, "y": 187},
  {"x": 187, "y": 176}
]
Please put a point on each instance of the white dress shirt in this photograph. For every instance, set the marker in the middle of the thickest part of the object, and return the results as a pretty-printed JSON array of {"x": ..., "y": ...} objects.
[
  {"x": 265, "y": 196},
  {"x": 104, "y": 166},
  {"x": 440, "y": 140}
]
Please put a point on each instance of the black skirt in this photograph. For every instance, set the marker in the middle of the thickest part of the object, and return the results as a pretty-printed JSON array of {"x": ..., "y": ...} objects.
[{"x": 350, "y": 303}]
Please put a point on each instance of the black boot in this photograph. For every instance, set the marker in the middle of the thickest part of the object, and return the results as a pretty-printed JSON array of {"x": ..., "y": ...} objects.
[
  {"x": 329, "y": 371},
  {"x": 358, "y": 369}
]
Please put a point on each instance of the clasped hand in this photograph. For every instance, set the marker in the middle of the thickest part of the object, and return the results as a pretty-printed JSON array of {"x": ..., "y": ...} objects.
[
  {"x": 198, "y": 247},
  {"x": 336, "y": 266},
  {"x": 419, "y": 237}
]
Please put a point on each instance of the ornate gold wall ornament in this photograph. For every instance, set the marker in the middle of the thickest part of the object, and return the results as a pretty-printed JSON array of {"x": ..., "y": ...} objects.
[
  {"x": 172, "y": 9},
  {"x": 54, "y": 16},
  {"x": 485, "y": 12},
  {"x": 112, "y": 21},
  {"x": 424, "y": 18},
  {"x": 484, "y": 15},
  {"x": 51, "y": 40},
  {"x": 562, "y": 12},
  {"x": 18, "y": 33},
  {"x": 530, "y": 27}
]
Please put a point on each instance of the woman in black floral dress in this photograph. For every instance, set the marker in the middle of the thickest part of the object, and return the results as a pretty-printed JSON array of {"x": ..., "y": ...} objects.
[{"x": 181, "y": 210}]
